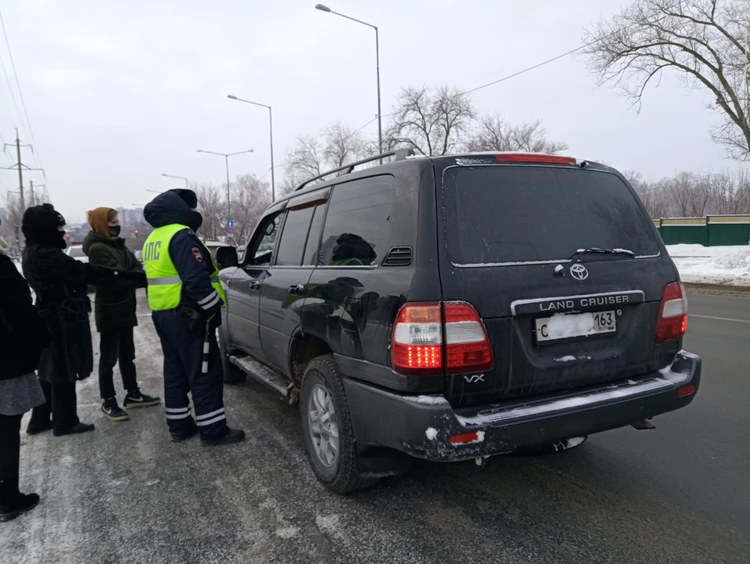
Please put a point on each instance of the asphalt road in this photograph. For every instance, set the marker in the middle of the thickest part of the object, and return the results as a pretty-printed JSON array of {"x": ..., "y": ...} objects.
[{"x": 679, "y": 494}]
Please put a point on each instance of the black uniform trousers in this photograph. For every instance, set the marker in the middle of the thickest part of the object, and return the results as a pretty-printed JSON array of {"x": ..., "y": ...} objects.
[
  {"x": 116, "y": 345},
  {"x": 182, "y": 341},
  {"x": 60, "y": 403}
]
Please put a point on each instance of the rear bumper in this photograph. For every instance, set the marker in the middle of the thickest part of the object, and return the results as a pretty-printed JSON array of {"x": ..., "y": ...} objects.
[{"x": 422, "y": 426}]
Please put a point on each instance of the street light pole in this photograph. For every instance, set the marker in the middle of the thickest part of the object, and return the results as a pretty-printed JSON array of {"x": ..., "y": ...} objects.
[
  {"x": 326, "y": 9},
  {"x": 229, "y": 196},
  {"x": 178, "y": 177},
  {"x": 226, "y": 160},
  {"x": 270, "y": 128}
]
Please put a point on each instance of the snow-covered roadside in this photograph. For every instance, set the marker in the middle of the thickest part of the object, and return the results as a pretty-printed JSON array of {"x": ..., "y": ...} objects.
[{"x": 712, "y": 265}]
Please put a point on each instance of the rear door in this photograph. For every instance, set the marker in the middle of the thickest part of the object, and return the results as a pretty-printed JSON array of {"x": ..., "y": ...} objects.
[{"x": 556, "y": 320}]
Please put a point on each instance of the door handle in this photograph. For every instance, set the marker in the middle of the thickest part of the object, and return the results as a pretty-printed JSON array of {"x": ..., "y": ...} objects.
[
  {"x": 254, "y": 285},
  {"x": 297, "y": 290}
]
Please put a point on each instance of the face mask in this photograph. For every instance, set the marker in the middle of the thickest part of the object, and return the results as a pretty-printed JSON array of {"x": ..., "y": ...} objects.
[
  {"x": 62, "y": 242},
  {"x": 114, "y": 230}
]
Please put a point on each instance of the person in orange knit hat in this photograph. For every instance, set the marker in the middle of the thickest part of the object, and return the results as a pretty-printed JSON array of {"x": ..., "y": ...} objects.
[{"x": 114, "y": 312}]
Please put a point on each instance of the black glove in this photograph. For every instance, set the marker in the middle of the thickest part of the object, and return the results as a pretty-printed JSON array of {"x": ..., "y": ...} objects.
[{"x": 135, "y": 277}]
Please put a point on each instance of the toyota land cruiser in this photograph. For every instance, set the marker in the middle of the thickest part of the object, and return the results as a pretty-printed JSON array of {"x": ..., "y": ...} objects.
[{"x": 457, "y": 307}]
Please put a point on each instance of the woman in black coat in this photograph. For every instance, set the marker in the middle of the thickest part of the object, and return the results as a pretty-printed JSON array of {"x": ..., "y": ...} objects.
[
  {"x": 22, "y": 338},
  {"x": 60, "y": 283}
]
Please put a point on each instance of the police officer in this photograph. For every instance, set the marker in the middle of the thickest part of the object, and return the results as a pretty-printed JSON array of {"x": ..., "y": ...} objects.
[{"x": 186, "y": 298}]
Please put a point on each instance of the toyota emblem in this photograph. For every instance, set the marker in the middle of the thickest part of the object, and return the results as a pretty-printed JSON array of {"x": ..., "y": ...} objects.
[{"x": 579, "y": 272}]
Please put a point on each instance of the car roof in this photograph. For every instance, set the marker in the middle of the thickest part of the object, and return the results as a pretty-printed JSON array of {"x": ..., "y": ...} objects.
[{"x": 409, "y": 158}]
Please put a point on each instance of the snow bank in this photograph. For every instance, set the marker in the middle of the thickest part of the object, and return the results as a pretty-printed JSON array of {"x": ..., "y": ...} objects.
[{"x": 712, "y": 265}]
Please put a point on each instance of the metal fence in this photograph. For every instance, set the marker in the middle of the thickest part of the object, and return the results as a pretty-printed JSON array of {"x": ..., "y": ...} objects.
[{"x": 709, "y": 231}]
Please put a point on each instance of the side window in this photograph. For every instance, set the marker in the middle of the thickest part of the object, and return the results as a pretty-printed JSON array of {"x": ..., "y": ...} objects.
[
  {"x": 313, "y": 238},
  {"x": 358, "y": 224},
  {"x": 292, "y": 244},
  {"x": 260, "y": 250}
]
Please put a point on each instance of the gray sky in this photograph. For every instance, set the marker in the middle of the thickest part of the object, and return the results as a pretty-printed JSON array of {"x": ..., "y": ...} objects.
[{"x": 120, "y": 92}]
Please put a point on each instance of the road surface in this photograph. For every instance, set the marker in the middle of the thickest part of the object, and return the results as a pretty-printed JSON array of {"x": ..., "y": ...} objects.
[{"x": 679, "y": 494}]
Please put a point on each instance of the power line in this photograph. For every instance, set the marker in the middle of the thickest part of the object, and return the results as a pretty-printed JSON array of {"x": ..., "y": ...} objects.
[
  {"x": 563, "y": 55},
  {"x": 12, "y": 95},
  {"x": 529, "y": 69},
  {"x": 20, "y": 91}
]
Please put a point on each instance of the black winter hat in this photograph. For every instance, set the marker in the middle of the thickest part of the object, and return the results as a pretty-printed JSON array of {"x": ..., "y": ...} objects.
[
  {"x": 40, "y": 224},
  {"x": 188, "y": 196}
]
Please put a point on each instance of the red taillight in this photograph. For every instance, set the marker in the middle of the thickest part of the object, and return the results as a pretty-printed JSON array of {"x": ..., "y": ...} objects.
[
  {"x": 437, "y": 337},
  {"x": 685, "y": 391},
  {"x": 467, "y": 348},
  {"x": 465, "y": 438},
  {"x": 417, "y": 341},
  {"x": 673, "y": 314},
  {"x": 533, "y": 158}
]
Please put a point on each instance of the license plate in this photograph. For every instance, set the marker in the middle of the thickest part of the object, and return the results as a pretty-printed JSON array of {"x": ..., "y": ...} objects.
[{"x": 561, "y": 326}]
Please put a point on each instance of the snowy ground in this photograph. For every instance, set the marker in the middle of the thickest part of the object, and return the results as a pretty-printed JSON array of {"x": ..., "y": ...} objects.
[
  {"x": 712, "y": 265},
  {"x": 125, "y": 494}
]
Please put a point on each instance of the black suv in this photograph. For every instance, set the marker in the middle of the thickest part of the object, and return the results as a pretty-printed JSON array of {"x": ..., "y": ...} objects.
[{"x": 458, "y": 307}]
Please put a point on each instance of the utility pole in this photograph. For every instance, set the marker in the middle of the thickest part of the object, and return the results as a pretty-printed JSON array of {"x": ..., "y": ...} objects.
[
  {"x": 20, "y": 166},
  {"x": 31, "y": 190},
  {"x": 20, "y": 171}
]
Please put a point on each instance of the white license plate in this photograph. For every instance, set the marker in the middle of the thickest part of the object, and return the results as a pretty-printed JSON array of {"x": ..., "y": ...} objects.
[{"x": 561, "y": 326}]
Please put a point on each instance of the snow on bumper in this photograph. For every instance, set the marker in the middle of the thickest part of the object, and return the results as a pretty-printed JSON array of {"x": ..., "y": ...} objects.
[{"x": 423, "y": 427}]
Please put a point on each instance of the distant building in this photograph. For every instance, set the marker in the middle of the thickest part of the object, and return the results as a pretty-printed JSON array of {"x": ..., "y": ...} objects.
[{"x": 131, "y": 217}]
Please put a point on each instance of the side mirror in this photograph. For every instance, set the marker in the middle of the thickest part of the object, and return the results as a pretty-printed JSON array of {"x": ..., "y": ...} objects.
[{"x": 226, "y": 257}]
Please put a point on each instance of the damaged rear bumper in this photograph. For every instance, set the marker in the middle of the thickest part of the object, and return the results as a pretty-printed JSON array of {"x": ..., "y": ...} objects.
[{"x": 422, "y": 426}]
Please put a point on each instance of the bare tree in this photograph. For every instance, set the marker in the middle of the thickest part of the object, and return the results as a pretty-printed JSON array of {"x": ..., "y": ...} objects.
[
  {"x": 493, "y": 134},
  {"x": 430, "y": 122},
  {"x": 250, "y": 198},
  {"x": 306, "y": 159},
  {"x": 341, "y": 145},
  {"x": 10, "y": 229},
  {"x": 212, "y": 206},
  {"x": 702, "y": 40}
]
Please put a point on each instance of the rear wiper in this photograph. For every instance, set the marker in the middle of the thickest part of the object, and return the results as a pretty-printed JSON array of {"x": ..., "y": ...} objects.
[{"x": 598, "y": 251}]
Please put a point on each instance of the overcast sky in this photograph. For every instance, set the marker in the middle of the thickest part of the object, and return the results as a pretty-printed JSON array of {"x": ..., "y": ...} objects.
[{"x": 120, "y": 92}]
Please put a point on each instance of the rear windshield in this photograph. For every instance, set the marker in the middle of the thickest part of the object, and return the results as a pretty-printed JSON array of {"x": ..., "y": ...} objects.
[{"x": 509, "y": 214}]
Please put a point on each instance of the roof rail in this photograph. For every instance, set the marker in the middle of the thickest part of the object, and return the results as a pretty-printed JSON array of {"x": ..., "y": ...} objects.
[{"x": 398, "y": 154}]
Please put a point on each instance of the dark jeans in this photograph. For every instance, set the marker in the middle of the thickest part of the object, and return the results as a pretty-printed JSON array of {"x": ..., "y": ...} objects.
[
  {"x": 113, "y": 346},
  {"x": 60, "y": 404},
  {"x": 10, "y": 446}
]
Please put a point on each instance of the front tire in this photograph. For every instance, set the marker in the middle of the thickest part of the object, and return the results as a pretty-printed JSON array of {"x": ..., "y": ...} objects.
[
  {"x": 327, "y": 429},
  {"x": 232, "y": 374}
]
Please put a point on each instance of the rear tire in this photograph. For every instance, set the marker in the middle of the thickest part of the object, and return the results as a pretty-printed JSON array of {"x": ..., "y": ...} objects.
[
  {"x": 327, "y": 429},
  {"x": 232, "y": 374}
]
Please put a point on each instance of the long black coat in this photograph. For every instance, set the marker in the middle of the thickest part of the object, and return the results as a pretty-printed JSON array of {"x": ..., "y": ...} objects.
[
  {"x": 60, "y": 283},
  {"x": 22, "y": 333}
]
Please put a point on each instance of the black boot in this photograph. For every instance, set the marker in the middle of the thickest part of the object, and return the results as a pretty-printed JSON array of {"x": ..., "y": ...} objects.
[
  {"x": 13, "y": 502},
  {"x": 186, "y": 434},
  {"x": 230, "y": 437},
  {"x": 35, "y": 428},
  {"x": 76, "y": 429}
]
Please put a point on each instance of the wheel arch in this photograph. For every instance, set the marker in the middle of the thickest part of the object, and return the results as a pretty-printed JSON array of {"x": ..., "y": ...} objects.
[{"x": 302, "y": 350}]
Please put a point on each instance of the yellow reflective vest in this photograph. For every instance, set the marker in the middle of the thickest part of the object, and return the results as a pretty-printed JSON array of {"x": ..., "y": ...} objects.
[{"x": 164, "y": 283}]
